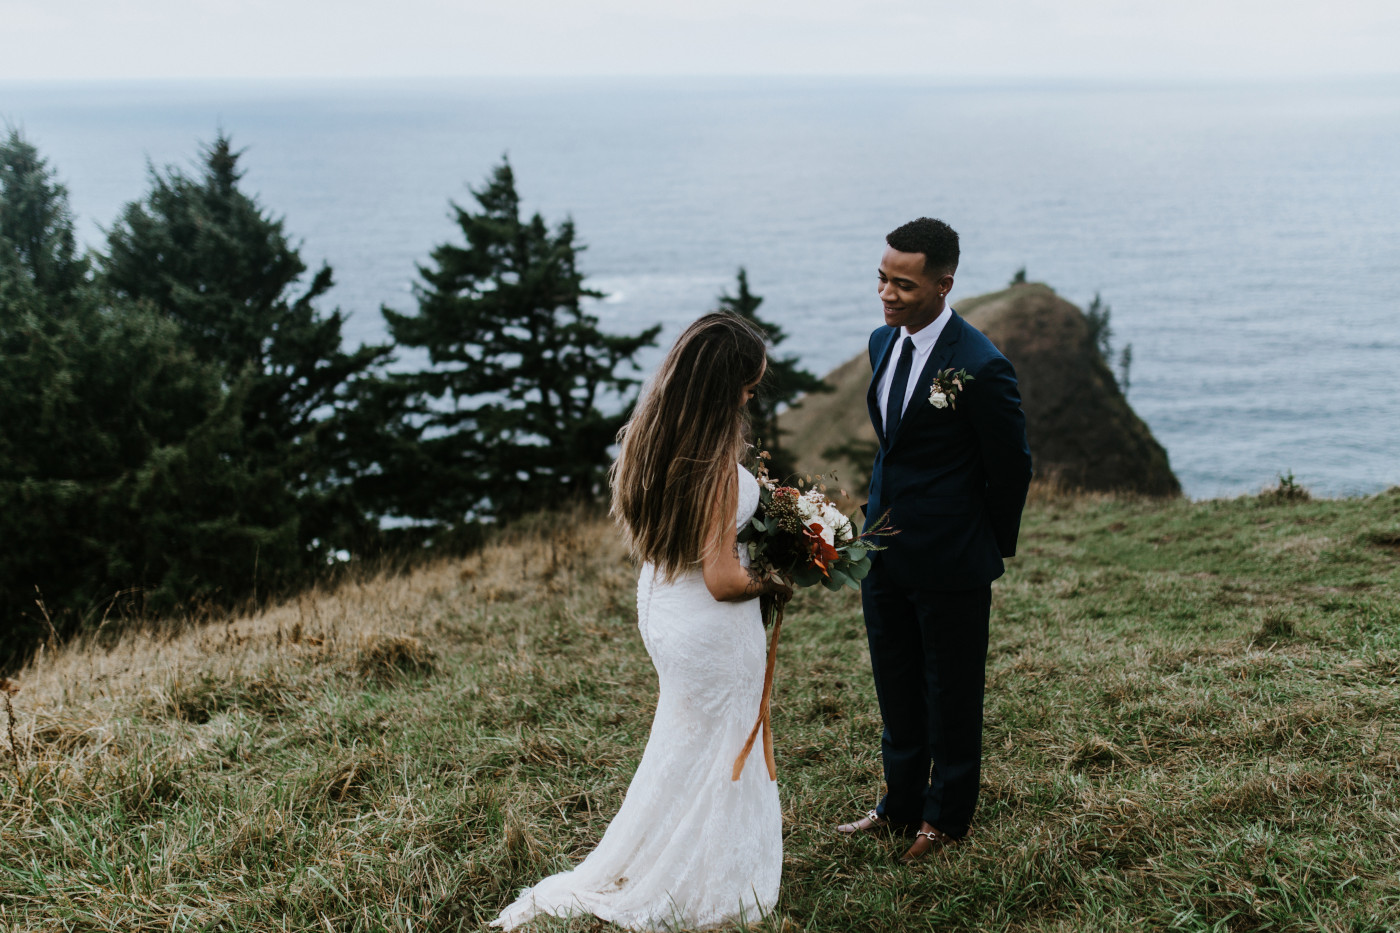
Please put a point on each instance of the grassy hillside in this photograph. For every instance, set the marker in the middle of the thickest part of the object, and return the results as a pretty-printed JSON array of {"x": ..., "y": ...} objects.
[
  {"x": 1191, "y": 724},
  {"x": 825, "y": 422},
  {"x": 1083, "y": 433}
]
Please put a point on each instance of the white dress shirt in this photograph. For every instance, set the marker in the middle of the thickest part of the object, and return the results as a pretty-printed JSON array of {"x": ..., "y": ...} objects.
[{"x": 923, "y": 346}]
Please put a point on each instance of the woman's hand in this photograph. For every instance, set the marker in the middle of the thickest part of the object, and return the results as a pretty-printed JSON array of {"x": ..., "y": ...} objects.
[
  {"x": 729, "y": 580},
  {"x": 779, "y": 592},
  {"x": 779, "y": 589}
]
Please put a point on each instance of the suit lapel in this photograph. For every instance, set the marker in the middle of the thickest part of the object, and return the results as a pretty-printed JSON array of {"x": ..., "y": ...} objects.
[
  {"x": 937, "y": 360},
  {"x": 872, "y": 396}
]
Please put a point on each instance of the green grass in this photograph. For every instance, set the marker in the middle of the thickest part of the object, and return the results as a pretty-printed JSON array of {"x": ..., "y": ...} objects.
[{"x": 1192, "y": 724}]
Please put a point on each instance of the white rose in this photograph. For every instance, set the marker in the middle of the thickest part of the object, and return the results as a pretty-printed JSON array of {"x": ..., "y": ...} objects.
[
  {"x": 840, "y": 525},
  {"x": 937, "y": 399}
]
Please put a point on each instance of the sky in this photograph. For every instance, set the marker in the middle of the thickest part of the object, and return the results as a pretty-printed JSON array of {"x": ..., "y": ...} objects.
[{"x": 1189, "y": 39}]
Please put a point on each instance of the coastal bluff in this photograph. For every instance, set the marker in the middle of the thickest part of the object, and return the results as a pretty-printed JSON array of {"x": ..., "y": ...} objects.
[{"x": 1083, "y": 433}]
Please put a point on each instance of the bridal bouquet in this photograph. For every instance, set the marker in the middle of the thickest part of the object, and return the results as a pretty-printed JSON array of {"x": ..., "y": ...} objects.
[
  {"x": 799, "y": 536},
  {"x": 804, "y": 538}
]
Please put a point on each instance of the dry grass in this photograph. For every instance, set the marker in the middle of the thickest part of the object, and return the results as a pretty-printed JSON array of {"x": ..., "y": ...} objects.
[{"x": 1191, "y": 724}]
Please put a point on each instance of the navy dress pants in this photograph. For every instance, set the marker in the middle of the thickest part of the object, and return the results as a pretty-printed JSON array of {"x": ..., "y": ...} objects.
[{"x": 928, "y": 649}]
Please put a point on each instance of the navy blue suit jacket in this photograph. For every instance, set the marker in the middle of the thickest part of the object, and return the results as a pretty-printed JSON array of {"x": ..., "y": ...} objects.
[{"x": 953, "y": 479}]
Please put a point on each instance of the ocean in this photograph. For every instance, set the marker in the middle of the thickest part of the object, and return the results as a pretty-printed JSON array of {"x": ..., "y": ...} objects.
[{"x": 1245, "y": 236}]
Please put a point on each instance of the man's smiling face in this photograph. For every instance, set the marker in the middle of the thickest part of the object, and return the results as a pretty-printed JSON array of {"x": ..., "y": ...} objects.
[{"x": 912, "y": 297}]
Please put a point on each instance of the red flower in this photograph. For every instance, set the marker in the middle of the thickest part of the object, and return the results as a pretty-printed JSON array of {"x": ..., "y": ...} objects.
[{"x": 822, "y": 553}]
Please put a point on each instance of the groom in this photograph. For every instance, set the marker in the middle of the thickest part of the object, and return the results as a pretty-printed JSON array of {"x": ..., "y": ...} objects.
[{"x": 952, "y": 469}]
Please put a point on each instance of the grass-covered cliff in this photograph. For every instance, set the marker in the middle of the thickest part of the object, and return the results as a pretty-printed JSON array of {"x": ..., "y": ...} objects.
[
  {"x": 1191, "y": 724},
  {"x": 1083, "y": 433}
]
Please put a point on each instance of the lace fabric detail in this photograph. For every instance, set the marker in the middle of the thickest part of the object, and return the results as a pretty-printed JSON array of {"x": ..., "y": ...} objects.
[
  {"x": 689, "y": 848},
  {"x": 748, "y": 504}
]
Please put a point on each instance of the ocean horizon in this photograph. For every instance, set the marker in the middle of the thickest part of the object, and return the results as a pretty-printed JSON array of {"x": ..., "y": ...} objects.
[{"x": 1246, "y": 235}]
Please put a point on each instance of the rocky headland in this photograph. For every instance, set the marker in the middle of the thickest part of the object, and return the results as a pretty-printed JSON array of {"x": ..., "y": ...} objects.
[{"x": 1083, "y": 433}]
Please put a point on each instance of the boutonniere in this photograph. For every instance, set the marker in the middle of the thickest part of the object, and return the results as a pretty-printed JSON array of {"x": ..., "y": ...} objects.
[{"x": 947, "y": 386}]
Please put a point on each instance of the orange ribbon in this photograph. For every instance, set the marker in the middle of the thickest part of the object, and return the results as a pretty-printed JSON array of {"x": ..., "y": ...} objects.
[{"x": 765, "y": 705}]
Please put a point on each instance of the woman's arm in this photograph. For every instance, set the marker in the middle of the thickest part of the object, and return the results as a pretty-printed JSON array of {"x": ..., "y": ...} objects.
[{"x": 725, "y": 578}]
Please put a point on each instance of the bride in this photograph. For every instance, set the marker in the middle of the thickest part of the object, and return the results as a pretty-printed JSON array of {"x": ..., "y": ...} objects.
[{"x": 690, "y": 847}]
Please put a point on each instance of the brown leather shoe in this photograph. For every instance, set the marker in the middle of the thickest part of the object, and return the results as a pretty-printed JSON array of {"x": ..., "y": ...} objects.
[
  {"x": 874, "y": 823},
  {"x": 927, "y": 839}
]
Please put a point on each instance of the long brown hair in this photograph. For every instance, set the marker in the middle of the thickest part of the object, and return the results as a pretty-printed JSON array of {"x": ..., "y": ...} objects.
[{"x": 679, "y": 450}]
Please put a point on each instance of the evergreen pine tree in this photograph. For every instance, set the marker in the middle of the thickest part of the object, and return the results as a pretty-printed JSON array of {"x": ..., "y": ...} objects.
[
  {"x": 1097, "y": 317},
  {"x": 119, "y": 477},
  {"x": 35, "y": 221},
  {"x": 785, "y": 382},
  {"x": 209, "y": 258},
  {"x": 513, "y": 414}
]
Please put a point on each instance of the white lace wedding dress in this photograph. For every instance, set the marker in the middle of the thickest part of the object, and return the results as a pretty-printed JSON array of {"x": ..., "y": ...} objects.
[{"x": 689, "y": 848}]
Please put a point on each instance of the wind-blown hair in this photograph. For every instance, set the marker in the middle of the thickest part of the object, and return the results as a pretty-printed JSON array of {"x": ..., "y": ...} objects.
[{"x": 676, "y": 468}]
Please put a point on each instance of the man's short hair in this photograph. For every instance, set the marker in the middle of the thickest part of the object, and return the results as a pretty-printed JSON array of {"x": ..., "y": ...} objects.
[{"x": 935, "y": 239}]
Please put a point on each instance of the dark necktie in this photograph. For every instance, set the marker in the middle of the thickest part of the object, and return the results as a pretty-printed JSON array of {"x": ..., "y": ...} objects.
[{"x": 894, "y": 405}]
